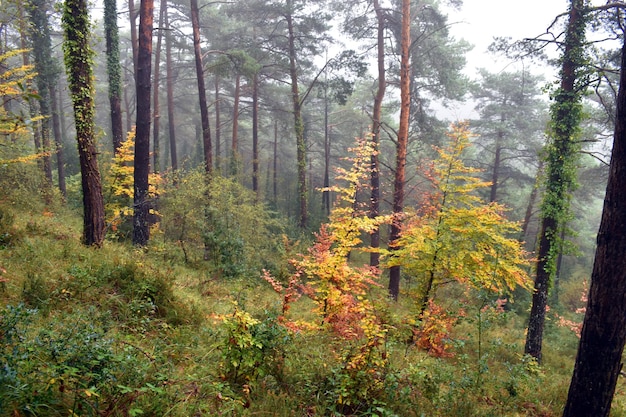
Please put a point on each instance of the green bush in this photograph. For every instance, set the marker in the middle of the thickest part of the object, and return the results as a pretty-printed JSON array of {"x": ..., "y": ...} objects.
[
  {"x": 8, "y": 233},
  {"x": 253, "y": 349},
  {"x": 223, "y": 224},
  {"x": 66, "y": 365}
]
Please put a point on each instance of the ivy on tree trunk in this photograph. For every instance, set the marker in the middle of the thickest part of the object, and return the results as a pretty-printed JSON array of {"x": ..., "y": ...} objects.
[
  {"x": 561, "y": 158},
  {"x": 78, "y": 61}
]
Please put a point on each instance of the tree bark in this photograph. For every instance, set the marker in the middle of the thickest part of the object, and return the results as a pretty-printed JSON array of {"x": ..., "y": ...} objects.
[
  {"x": 80, "y": 77},
  {"x": 493, "y": 192},
  {"x": 171, "y": 120},
  {"x": 218, "y": 125},
  {"x": 598, "y": 362},
  {"x": 326, "y": 192},
  {"x": 234, "y": 156},
  {"x": 560, "y": 160},
  {"x": 58, "y": 140},
  {"x": 376, "y": 124},
  {"x": 204, "y": 111},
  {"x": 141, "y": 225},
  {"x": 114, "y": 72},
  {"x": 134, "y": 40},
  {"x": 155, "y": 93},
  {"x": 46, "y": 73},
  {"x": 275, "y": 166},
  {"x": 402, "y": 144},
  {"x": 255, "y": 134},
  {"x": 298, "y": 122},
  {"x": 531, "y": 201}
]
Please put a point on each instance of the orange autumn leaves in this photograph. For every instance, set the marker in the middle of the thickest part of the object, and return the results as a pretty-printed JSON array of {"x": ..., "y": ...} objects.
[{"x": 453, "y": 237}]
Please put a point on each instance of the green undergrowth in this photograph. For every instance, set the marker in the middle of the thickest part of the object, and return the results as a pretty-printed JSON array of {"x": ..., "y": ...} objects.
[{"x": 120, "y": 331}]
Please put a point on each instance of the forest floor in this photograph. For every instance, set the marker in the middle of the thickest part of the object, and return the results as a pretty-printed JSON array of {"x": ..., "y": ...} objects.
[{"x": 121, "y": 331}]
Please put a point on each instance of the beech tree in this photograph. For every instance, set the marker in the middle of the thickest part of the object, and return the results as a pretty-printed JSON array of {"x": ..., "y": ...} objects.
[
  {"x": 78, "y": 56},
  {"x": 457, "y": 237}
]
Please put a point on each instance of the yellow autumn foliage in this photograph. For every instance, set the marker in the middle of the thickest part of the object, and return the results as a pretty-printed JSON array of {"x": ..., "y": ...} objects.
[
  {"x": 121, "y": 183},
  {"x": 457, "y": 236}
]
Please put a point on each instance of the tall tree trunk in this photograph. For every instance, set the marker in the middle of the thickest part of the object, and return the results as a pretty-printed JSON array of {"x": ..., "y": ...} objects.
[
  {"x": 298, "y": 122},
  {"x": 134, "y": 40},
  {"x": 218, "y": 125},
  {"x": 46, "y": 73},
  {"x": 32, "y": 107},
  {"x": 127, "y": 101},
  {"x": 402, "y": 144},
  {"x": 141, "y": 225},
  {"x": 204, "y": 111},
  {"x": 155, "y": 93},
  {"x": 235, "y": 159},
  {"x": 255, "y": 134},
  {"x": 376, "y": 123},
  {"x": 560, "y": 172},
  {"x": 78, "y": 54},
  {"x": 599, "y": 358},
  {"x": 114, "y": 71},
  {"x": 171, "y": 120},
  {"x": 531, "y": 200},
  {"x": 58, "y": 140},
  {"x": 493, "y": 194},
  {"x": 326, "y": 192},
  {"x": 275, "y": 166}
]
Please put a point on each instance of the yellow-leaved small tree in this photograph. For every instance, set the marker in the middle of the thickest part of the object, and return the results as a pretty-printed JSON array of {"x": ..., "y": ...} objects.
[
  {"x": 456, "y": 236},
  {"x": 118, "y": 204}
]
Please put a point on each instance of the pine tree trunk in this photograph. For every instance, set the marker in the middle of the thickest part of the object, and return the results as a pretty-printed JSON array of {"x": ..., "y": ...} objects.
[
  {"x": 204, "y": 111},
  {"x": 493, "y": 192},
  {"x": 58, "y": 140},
  {"x": 218, "y": 125},
  {"x": 326, "y": 192},
  {"x": 561, "y": 155},
  {"x": 234, "y": 155},
  {"x": 402, "y": 144},
  {"x": 255, "y": 135},
  {"x": 114, "y": 72},
  {"x": 80, "y": 76},
  {"x": 141, "y": 224},
  {"x": 599, "y": 358},
  {"x": 298, "y": 123},
  {"x": 155, "y": 93},
  {"x": 171, "y": 120},
  {"x": 134, "y": 40},
  {"x": 376, "y": 124},
  {"x": 275, "y": 166}
]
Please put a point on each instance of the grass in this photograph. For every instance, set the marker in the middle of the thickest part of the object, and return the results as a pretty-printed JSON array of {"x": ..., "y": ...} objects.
[{"x": 119, "y": 331}]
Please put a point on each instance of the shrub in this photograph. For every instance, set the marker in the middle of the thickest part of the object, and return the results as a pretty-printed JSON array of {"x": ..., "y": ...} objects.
[
  {"x": 230, "y": 229},
  {"x": 252, "y": 348},
  {"x": 65, "y": 365},
  {"x": 8, "y": 233}
]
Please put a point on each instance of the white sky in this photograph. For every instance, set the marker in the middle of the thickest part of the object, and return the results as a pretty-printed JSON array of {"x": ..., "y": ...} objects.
[{"x": 479, "y": 21}]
